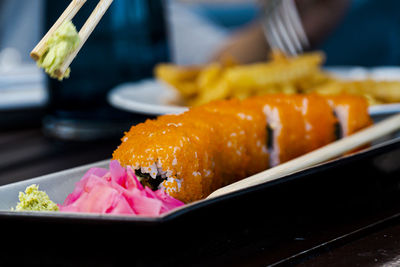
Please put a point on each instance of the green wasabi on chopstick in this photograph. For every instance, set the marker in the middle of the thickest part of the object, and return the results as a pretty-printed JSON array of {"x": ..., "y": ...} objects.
[{"x": 60, "y": 44}]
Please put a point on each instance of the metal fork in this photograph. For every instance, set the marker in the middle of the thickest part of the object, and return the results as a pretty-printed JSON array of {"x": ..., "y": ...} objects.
[{"x": 282, "y": 26}]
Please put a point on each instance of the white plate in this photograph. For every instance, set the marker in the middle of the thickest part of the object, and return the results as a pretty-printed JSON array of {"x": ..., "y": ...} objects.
[
  {"x": 153, "y": 97},
  {"x": 147, "y": 97}
]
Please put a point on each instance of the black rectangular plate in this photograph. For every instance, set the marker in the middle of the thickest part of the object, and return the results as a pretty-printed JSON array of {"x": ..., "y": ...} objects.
[{"x": 261, "y": 225}]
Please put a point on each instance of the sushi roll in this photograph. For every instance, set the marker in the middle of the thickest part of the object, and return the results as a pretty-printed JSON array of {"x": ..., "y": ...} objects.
[{"x": 192, "y": 154}]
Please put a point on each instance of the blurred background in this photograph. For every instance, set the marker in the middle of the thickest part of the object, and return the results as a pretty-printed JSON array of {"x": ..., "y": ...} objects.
[
  {"x": 134, "y": 35},
  {"x": 350, "y": 32}
]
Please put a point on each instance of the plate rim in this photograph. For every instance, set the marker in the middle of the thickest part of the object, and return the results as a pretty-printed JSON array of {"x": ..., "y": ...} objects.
[{"x": 120, "y": 102}]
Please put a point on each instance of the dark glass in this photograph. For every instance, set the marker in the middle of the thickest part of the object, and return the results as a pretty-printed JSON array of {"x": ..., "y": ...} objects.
[{"x": 129, "y": 40}]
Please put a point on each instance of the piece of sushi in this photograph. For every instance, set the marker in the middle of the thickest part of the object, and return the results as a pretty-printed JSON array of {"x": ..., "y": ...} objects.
[
  {"x": 192, "y": 154},
  {"x": 248, "y": 141},
  {"x": 318, "y": 119},
  {"x": 351, "y": 112},
  {"x": 284, "y": 126},
  {"x": 163, "y": 153}
]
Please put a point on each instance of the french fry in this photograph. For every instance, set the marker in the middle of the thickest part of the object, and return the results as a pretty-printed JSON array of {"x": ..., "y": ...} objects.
[
  {"x": 219, "y": 90},
  {"x": 174, "y": 73},
  {"x": 302, "y": 74},
  {"x": 180, "y": 78},
  {"x": 377, "y": 92},
  {"x": 385, "y": 91},
  {"x": 278, "y": 71},
  {"x": 208, "y": 76}
]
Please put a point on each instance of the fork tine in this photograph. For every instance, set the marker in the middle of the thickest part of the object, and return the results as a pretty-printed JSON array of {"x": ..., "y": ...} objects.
[
  {"x": 269, "y": 34},
  {"x": 290, "y": 27},
  {"x": 269, "y": 28},
  {"x": 273, "y": 35},
  {"x": 283, "y": 28},
  {"x": 296, "y": 22},
  {"x": 278, "y": 16}
]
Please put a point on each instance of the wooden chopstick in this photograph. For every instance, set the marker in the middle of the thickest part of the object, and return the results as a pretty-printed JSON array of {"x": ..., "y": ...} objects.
[
  {"x": 85, "y": 32},
  {"x": 320, "y": 155},
  {"x": 68, "y": 14}
]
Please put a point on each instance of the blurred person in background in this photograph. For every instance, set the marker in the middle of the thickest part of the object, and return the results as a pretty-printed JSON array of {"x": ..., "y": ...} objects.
[
  {"x": 350, "y": 32},
  {"x": 319, "y": 19}
]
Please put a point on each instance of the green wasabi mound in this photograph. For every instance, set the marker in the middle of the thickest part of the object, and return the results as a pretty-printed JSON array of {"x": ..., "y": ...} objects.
[
  {"x": 60, "y": 44},
  {"x": 35, "y": 200}
]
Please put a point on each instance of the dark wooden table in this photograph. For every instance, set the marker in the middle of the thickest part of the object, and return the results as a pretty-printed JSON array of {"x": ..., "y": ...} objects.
[{"x": 26, "y": 153}]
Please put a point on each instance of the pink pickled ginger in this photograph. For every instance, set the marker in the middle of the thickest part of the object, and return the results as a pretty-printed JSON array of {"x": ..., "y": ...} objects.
[{"x": 117, "y": 191}]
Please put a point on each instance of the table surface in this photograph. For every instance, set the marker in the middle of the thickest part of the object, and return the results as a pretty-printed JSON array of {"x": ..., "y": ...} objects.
[{"x": 25, "y": 153}]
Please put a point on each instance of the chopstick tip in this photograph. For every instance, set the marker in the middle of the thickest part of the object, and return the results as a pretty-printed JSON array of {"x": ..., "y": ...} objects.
[
  {"x": 58, "y": 74},
  {"x": 34, "y": 56}
]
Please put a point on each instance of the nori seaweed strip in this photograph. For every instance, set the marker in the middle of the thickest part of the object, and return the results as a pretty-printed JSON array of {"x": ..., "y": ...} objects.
[
  {"x": 338, "y": 128},
  {"x": 146, "y": 180},
  {"x": 270, "y": 136},
  {"x": 338, "y": 131}
]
